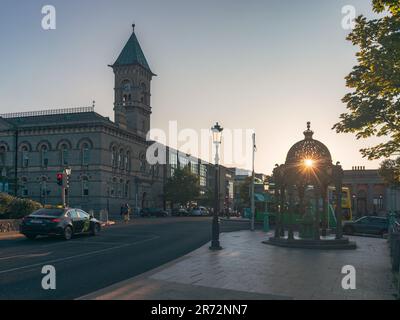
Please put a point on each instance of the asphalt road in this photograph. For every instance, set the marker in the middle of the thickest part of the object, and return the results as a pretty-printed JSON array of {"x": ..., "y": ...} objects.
[{"x": 86, "y": 264}]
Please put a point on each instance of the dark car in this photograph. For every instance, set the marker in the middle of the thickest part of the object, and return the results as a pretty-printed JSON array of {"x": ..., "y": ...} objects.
[
  {"x": 64, "y": 222},
  {"x": 367, "y": 225},
  {"x": 153, "y": 212},
  {"x": 180, "y": 212}
]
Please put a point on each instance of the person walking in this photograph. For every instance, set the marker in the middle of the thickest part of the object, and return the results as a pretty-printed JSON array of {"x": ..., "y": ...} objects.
[{"x": 125, "y": 212}]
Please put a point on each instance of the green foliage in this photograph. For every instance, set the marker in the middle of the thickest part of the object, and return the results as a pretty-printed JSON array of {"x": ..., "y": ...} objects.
[
  {"x": 5, "y": 201},
  {"x": 208, "y": 198},
  {"x": 16, "y": 208},
  {"x": 244, "y": 191},
  {"x": 374, "y": 101},
  {"x": 390, "y": 171},
  {"x": 183, "y": 187}
]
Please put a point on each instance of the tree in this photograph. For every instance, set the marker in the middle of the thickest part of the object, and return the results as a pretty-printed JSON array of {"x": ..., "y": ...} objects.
[
  {"x": 244, "y": 191},
  {"x": 390, "y": 171},
  {"x": 182, "y": 187},
  {"x": 208, "y": 198},
  {"x": 374, "y": 103}
]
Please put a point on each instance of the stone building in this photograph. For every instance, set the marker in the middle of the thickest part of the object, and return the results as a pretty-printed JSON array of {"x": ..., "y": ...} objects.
[
  {"x": 370, "y": 195},
  {"x": 107, "y": 159}
]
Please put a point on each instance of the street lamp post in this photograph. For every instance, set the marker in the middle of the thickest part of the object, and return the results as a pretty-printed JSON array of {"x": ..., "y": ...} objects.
[{"x": 217, "y": 136}]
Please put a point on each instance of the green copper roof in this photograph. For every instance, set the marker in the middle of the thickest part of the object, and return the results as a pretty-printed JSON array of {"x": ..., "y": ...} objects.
[{"x": 132, "y": 54}]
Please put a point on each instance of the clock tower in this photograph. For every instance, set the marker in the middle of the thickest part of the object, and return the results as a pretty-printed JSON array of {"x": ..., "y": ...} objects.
[{"x": 132, "y": 88}]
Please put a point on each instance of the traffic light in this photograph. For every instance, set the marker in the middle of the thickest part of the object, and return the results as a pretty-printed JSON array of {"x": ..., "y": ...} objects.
[
  {"x": 67, "y": 181},
  {"x": 60, "y": 178}
]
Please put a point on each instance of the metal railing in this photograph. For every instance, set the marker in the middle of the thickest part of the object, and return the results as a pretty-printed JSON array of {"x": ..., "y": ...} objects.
[{"x": 47, "y": 112}]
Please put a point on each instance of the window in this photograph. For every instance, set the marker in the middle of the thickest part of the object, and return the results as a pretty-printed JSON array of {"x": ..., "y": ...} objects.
[
  {"x": 82, "y": 214},
  {"x": 183, "y": 161},
  {"x": 378, "y": 203},
  {"x": 44, "y": 156},
  {"x": 64, "y": 155},
  {"x": 85, "y": 154},
  {"x": 114, "y": 157},
  {"x": 128, "y": 161},
  {"x": 72, "y": 214},
  {"x": 203, "y": 175},
  {"x": 126, "y": 91},
  {"x": 120, "y": 157},
  {"x": 25, "y": 157},
  {"x": 173, "y": 162},
  {"x": 85, "y": 186}
]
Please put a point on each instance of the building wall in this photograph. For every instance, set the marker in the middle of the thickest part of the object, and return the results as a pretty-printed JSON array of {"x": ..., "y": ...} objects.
[
  {"x": 370, "y": 194},
  {"x": 98, "y": 185}
]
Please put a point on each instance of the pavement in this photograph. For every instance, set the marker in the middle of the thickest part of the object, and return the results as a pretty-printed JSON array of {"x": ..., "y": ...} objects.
[
  {"x": 248, "y": 269},
  {"x": 86, "y": 264}
]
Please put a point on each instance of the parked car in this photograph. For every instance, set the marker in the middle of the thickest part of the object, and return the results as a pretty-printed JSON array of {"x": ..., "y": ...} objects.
[
  {"x": 199, "y": 211},
  {"x": 65, "y": 222},
  {"x": 367, "y": 225},
  {"x": 181, "y": 212},
  {"x": 153, "y": 212}
]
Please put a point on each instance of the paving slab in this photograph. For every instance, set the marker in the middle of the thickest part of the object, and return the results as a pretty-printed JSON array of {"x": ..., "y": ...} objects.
[{"x": 248, "y": 269}]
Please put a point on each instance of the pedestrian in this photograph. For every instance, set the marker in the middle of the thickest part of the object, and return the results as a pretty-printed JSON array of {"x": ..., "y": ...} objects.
[{"x": 125, "y": 212}]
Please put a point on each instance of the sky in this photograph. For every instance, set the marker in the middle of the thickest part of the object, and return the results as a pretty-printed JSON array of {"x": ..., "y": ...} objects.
[{"x": 267, "y": 65}]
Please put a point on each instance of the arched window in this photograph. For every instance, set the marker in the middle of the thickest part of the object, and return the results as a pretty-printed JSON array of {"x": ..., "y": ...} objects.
[
  {"x": 126, "y": 91},
  {"x": 64, "y": 154},
  {"x": 128, "y": 161},
  {"x": 85, "y": 186},
  {"x": 120, "y": 157},
  {"x": 44, "y": 156},
  {"x": 114, "y": 157},
  {"x": 25, "y": 157},
  {"x": 85, "y": 154}
]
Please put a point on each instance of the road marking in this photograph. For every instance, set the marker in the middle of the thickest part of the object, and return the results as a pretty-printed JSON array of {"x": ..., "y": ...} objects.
[
  {"x": 33, "y": 255},
  {"x": 77, "y": 256}
]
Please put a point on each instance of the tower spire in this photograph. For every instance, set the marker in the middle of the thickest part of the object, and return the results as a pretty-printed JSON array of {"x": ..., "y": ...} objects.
[{"x": 133, "y": 27}]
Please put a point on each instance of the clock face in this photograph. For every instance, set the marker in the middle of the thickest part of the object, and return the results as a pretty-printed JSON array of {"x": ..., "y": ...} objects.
[{"x": 127, "y": 87}]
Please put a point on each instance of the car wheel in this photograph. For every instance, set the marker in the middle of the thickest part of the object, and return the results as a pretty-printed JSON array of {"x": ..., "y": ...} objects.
[
  {"x": 67, "y": 235},
  {"x": 348, "y": 230},
  {"x": 95, "y": 230},
  {"x": 31, "y": 236}
]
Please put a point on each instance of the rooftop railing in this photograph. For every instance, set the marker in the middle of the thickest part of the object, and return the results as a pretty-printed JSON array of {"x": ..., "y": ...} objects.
[{"x": 47, "y": 112}]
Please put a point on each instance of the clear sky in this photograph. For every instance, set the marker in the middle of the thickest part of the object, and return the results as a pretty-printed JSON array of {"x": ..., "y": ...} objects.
[{"x": 271, "y": 65}]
